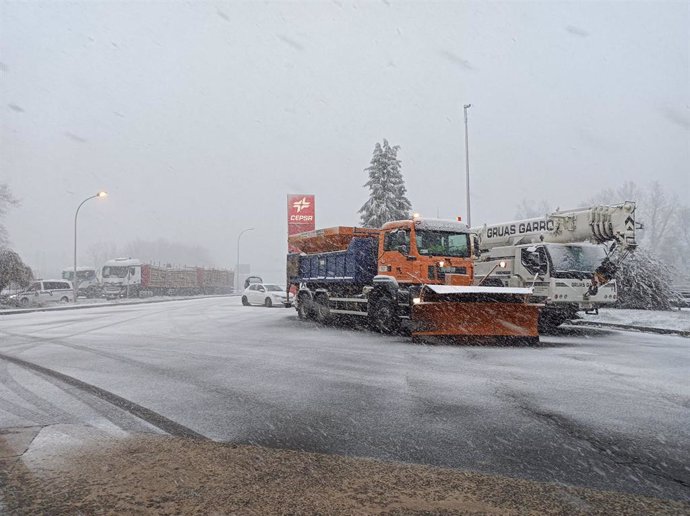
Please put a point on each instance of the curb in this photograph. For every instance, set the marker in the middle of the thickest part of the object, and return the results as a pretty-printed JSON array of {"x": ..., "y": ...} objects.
[
  {"x": 628, "y": 327},
  {"x": 20, "y": 311}
]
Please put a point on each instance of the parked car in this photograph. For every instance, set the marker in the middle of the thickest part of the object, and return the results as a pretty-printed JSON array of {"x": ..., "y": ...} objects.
[
  {"x": 252, "y": 279},
  {"x": 267, "y": 294},
  {"x": 44, "y": 292}
]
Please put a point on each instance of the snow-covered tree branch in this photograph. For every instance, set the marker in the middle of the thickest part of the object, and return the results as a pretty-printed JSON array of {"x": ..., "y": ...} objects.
[{"x": 387, "y": 200}]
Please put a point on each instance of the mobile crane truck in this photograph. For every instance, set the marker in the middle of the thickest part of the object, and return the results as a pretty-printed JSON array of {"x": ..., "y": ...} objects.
[
  {"x": 411, "y": 275},
  {"x": 562, "y": 255}
]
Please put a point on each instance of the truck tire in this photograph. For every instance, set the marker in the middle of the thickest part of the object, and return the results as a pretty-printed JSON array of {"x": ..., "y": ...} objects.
[
  {"x": 321, "y": 310},
  {"x": 304, "y": 307},
  {"x": 384, "y": 317},
  {"x": 549, "y": 321}
]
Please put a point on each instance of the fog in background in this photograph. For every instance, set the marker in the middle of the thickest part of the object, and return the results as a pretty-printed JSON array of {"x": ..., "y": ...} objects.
[{"x": 199, "y": 118}]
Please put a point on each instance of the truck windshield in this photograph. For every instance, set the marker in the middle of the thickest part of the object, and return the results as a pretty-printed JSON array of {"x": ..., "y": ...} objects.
[
  {"x": 442, "y": 243},
  {"x": 114, "y": 272},
  {"x": 566, "y": 258}
]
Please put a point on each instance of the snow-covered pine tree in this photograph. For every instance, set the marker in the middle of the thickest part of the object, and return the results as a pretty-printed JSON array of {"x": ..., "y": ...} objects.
[{"x": 387, "y": 200}]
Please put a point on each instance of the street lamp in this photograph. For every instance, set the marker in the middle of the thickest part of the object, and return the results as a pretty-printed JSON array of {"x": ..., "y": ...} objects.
[
  {"x": 467, "y": 166},
  {"x": 74, "y": 278},
  {"x": 237, "y": 265}
]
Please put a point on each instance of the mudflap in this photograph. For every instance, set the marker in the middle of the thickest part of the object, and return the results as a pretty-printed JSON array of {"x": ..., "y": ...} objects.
[{"x": 509, "y": 322}]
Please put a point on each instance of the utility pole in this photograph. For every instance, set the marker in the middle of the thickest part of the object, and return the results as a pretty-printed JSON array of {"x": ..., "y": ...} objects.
[
  {"x": 75, "y": 280},
  {"x": 467, "y": 166},
  {"x": 237, "y": 264}
]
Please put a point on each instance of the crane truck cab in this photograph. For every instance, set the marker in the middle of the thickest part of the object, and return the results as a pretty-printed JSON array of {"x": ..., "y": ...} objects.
[
  {"x": 563, "y": 256},
  {"x": 560, "y": 275},
  {"x": 414, "y": 275}
]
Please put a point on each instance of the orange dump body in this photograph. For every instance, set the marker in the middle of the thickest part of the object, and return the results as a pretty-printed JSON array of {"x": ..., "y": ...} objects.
[{"x": 329, "y": 239}]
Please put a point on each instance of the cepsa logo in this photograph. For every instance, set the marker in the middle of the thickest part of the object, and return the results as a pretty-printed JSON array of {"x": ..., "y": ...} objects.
[{"x": 300, "y": 208}]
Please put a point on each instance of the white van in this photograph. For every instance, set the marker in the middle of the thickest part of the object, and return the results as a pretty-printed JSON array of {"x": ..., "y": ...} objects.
[{"x": 43, "y": 292}]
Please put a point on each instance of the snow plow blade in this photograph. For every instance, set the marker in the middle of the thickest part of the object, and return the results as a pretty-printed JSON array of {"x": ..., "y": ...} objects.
[{"x": 492, "y": 312}]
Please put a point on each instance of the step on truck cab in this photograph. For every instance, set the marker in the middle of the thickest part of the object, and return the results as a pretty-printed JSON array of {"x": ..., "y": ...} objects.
[{"x": 413, "y": 275}]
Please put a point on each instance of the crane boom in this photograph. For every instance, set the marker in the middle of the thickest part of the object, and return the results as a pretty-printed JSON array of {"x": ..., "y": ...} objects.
[{"x": 595, "y": 224}]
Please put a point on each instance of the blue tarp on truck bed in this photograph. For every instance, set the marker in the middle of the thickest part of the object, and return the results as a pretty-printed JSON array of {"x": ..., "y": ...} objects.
[{"x": 356, "y": 265}]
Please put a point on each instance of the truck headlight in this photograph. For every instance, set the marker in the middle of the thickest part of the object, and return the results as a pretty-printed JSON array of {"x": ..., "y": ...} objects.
[{"x": 416, "y": 300}]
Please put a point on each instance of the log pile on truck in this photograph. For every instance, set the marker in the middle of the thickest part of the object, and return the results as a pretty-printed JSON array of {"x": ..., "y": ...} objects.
[
  {"x": 411, "y": 275},
  {"x": 129, "y": 277}
]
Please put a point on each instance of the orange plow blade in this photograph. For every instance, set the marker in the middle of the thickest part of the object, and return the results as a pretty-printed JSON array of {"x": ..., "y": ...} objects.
[{"x": 475, "y": 312}]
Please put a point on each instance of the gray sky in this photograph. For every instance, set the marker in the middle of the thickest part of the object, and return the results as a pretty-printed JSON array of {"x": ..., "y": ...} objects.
[{"x": 199, "y": 118}]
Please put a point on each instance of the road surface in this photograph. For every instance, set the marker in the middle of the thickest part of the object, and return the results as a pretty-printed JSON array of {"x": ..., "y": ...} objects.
[{"x": 592, "y": 408}]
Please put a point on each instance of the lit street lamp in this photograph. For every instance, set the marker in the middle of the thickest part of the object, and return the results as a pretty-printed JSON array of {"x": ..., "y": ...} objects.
[
  {"x": 467, "y": 166},
  {"x": 75, "y": 284},
  {"x": 237, "y": 265}
]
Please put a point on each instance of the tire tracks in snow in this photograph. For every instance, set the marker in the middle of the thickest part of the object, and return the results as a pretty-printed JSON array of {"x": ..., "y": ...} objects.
[
  {"x": 153, "y": 418},
  {"x": 608, "y": 448}
]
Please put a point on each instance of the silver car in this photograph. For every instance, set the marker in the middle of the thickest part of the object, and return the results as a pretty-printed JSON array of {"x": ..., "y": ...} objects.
[{"x": 43, "y": 292}]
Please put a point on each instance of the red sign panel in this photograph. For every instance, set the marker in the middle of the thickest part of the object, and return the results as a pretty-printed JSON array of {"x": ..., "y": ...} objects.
[{"x": 301, "y": 214}]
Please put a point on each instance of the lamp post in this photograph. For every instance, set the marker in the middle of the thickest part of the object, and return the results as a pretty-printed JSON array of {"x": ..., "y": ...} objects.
[
  {"x": 75, "y": 283},
  {"x": 467, "y": 166},
  {"x": 237, "y": 265}
]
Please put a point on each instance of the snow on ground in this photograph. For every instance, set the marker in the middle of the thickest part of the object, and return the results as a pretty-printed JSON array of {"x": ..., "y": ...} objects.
[
  {"x": 94, "y": 302},
  {"x": 671, "y": 320}
]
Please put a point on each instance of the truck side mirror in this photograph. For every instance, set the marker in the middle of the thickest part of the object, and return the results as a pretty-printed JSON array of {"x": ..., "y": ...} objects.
[
  {"x": 475, "y": 246},
  {"x": 402, "y": 249}
]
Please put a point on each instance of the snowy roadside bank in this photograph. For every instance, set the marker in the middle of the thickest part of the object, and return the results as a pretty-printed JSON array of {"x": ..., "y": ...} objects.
[
  {"x": 99, "y": 303},
  {"x": 676, "y": 321},
  {"x": 155, "y": 474}
]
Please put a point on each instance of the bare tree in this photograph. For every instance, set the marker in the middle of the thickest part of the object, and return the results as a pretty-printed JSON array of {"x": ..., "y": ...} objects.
[
  {"x": 659, "y": 212},
  {"x": 7, "y": 201},
  {"x": 166, "y": 252},
  {"x": 100, "y": 252},
  {"x": 529, "y": 209},
  {"x": 645, "y": 278}
]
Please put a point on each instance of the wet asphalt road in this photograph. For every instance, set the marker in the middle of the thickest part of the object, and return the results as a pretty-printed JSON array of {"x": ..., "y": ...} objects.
[{"x": 602, "y": 409}]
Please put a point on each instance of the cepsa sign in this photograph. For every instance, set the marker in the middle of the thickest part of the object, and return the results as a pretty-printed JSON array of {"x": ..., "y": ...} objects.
[{"x": 301, "y": 214}]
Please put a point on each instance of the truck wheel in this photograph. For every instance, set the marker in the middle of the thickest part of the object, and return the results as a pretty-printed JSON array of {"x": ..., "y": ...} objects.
[
  {"x": 549, "y": 321},
  {"x": 24, "y": 301},
  {"x": 245, "y": 301},
  {"x": 64, "y": 299},
  {"x": 321, "y": 310},
  {"x": 384, "y": 317},
  {"x": 268, "y": 303},
  {"x": 304, "y": 307}
]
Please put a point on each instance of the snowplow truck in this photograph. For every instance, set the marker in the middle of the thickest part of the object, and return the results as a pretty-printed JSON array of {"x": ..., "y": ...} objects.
[
  {"x": 412, "y": 275},
  {"x": 564, "y": 256}
]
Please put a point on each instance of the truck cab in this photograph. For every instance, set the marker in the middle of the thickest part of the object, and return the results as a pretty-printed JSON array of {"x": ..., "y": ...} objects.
[
  {"x": 87, "y": 280},
  {"x": 426, "y": 251},
  {"x": 120, "y": 277}
]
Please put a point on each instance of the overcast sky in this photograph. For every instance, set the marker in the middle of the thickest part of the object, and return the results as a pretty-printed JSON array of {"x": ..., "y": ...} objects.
[{"x": 199, "y": 118}]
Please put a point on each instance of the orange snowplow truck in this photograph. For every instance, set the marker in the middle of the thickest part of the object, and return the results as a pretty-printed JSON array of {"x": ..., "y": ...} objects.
[{"x": 414, "y": 275}]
